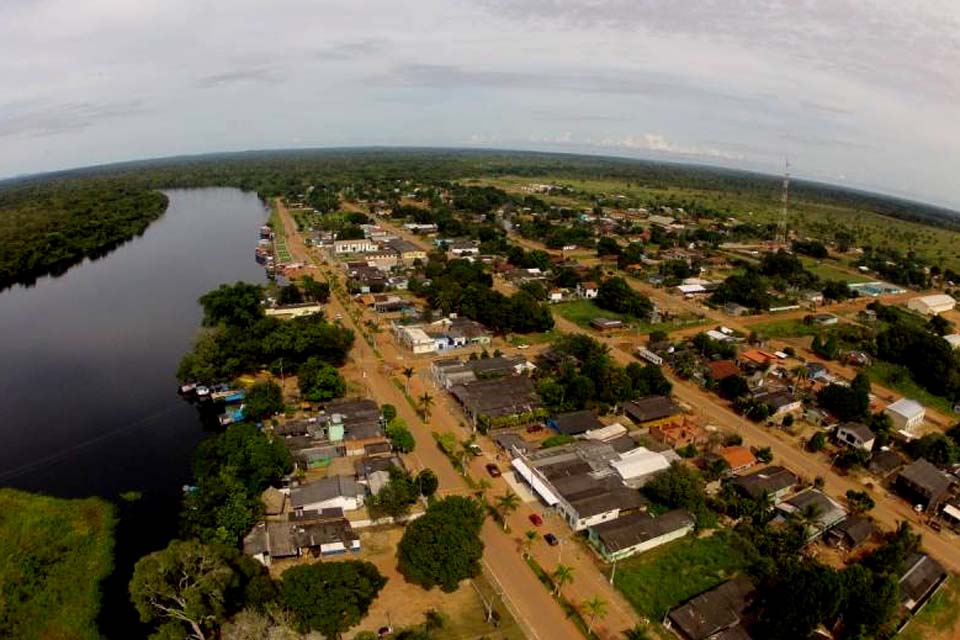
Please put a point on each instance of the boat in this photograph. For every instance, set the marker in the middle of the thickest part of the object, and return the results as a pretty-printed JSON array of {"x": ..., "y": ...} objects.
[
  {"x": 231, "y": 415},
  {"x": 228, "y": 395},
  {"x": 203, "y": 393},
  {"x": 187, "y": 389}
]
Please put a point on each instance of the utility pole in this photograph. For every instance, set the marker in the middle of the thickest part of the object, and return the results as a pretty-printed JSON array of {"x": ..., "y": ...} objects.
[
  {"x": 784, "y": 201},
  {"x": 613, "y": 572}
]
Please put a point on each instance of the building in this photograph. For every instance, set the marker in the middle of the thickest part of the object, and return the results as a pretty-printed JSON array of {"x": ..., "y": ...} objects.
[
  {"x": 637, "y": 466},
  {"x": 362, "y": 245},
  {"x": 774, "y": 482},
  {"x": 738, "y": 458},
  {"x": 953, "y": 340},
  {"x": 680, "y": 433},
  {"x": 718, "y": 370},
  {"x": 607, "y": 433},
  {"x": 639, "y": 532},
  {"x": 712, "y": 613},
  {"x": 574, "y": 423},
  {"x": 922, "y": 483},
  {"x": 753, "y": 359},
  {"x": 652, "y": 410},
  {"x": 850, "y": 533},
  {"x": 415, "y": 338},
  {"x": 906, "y": 414},
  {"x": 931, "y": 305},
  {"x": 293, "y": 310},
  {"x": 826, "y": 511},
  {"x": 336, "y": 492},
  {"x": 498, "y": 402},
  {"x": 606, "y": 324},
  {"x": 920, "y": 580},
  {"x": 856, "y": 435},
  {"x": 457, "y": 333},
  {"x": 320, "y": 532},
  {"x": 586, "y": 501},
  {"x": 884, "y": 463},
  {"x": 588, "y": 290},
  {"x": 780, "y": 402},
  {"x": 824, "y": 319},
  {"x": 406, "y": 251}
]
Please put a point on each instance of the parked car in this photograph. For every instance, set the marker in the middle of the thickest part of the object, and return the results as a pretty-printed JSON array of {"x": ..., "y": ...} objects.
[
  {"x": 493, "y": 470},
  {"x": 475, "y": 449},
  {"x": 551, "y": 539},
  {"x": 536, "y": 519},
  {"x": 534, "y": 428}
]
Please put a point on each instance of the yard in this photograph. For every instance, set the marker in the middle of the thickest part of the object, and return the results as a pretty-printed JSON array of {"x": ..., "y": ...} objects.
[
  {"x": 790, "y": 328},
  {"x": 663, "y": 578},
  {"x": 581, "y": 312},
  {"x": 898, "y": 379},
  {"x": 940, "y": 618},
  {"x": 831, "y": 270}
]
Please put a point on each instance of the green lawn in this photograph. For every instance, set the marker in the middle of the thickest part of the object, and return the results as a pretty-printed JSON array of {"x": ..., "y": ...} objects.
[
  {"x": 786, "y": 329},
  {"x": 938, "y": 616},
  {"x": 663, "y": 578},
  {"x": 830, "y": 270},
  {"x": 581, "y": 312},
  {"x": 898, "y": 379},
  {"x": 518, "y": 339},
  {"x": 53, "y": 555}
]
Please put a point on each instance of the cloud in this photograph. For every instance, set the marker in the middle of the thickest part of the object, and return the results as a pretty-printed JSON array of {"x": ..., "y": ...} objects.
[
  {"x": 44, "y": 119},
  {"x": 238, "y": 76},
  {"x": 351, "y": 50},
  {"x": 658, "y": 142}
]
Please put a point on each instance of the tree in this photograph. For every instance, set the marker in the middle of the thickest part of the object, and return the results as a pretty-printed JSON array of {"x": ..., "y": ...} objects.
[
  {"x": 427, "y": 483},
  {"x": 400, "y": 436},
  {"x": 264, "y": 399},
  {"x": 764, "y": 455},
  {"x": 317, "y": 291},
  {"x": 596, "y": 607},
  {"x": 679, "y": 487},
  {"x": 388, "y": 412},
  {"x": 236, "y": 305},
  {"x": 529, "y": 537},
  {"x": 507, "y": 504},
  {"x": 607, "y": 246},
  {"x": 937, "y": 448},
  {"x": 187, "y": 583},
  {"x": 800, "y": 375},
  {"x": 443, "y": 546},
  {"x": 396, "y": 497},
  {"x": 816, "y": 442},
  {"x": 860, "y": 501},
  {"x": 425, "y": 402},
  {"x": 846, "y": 403},
  {"x": 289, "y": 294},
  {"x": 939, "y": 325},
  {"x": 319, "y": 381},
  {"x": 614, "y": 294},
  {"x": 733, "y": 387},
  {"x": 408, "y": 373},
  {"x": 556, "y": 440},
  {"x": 330, "y": 597},
  {"x": 562, "y": 576}
]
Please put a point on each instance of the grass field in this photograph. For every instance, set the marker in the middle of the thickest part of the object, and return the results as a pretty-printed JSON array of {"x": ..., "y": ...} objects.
[
  {"x": 53, "y": 555},
  {"x": 898, "y": 379},
  {"x": 940, "y": 618},
  {"x": 792, "y": 328},
  {"x": 663, "y": 578},
  {"x": 829, "y": 270},
  {"x": 581, "y": 312}
]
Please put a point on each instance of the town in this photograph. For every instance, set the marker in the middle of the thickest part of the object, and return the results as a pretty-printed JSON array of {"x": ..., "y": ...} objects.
[{"x": 674, "y": 423}]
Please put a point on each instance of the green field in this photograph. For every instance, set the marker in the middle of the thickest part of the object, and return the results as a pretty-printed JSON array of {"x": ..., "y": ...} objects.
[
  {"x": 791, "y": 328},
  {"x": 663, "y": 578},
  {"x": 938, "y": 617},
  {"x": 830, "y": 270},
  {"x": 53, "y": 555},
  {"x": 898, "y": 379},
  {"x": 581, "y": 312}
]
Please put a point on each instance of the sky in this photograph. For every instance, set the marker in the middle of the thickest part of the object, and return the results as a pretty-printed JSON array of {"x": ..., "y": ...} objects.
[{"x": 862, "y": 93}]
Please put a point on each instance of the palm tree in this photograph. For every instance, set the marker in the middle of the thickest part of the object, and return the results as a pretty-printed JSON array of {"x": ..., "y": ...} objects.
[
  {"x": 800, "y": 374},
  {"x": 482, "y": 486},
  {"x": 528, "y": 539},
  {"x": 637, "y": 633},
  {"x": 596, "y": 607},
  {"x": 507, "y": 504},
  {"x": 426, "y": 401},
  {"x": 562, "y": 576},
  {"x": 408, "y": 373},
  {"x": 809, "y": 517}
]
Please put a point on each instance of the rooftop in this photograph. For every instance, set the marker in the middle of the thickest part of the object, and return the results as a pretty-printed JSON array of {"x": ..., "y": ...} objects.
[
  {"x": 769, "y": 480},
  {"x": 651, "y": 408},
  {"x": 922, "y": 575},
  {"x": 633, "y": 529},
  {"x": 713, "y": 611},
  {"x": 906, "y": 407},
  {"x": 324, "y": 489},
  {"x": 575, "y": 422},
  {"x": 926, "y": 477}
]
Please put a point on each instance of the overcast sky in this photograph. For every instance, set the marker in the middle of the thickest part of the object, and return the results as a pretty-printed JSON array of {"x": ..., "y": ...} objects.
[{"x": 864, "y": 93}]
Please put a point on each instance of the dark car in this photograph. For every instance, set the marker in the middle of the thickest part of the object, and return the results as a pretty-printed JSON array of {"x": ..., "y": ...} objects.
[
  {"x": 536, "y": 519},
  {"x": 534, "y": 428},
  {"x": 551, "y": 539},
  {"x": 493, "y": 470}
]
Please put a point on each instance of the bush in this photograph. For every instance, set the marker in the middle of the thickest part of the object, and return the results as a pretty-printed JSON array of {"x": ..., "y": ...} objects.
[
  {"x": 443, "y": 546},
  {"x": 319, "y": 381}
]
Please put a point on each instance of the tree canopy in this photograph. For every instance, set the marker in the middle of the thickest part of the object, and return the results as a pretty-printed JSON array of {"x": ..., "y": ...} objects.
[
  {"x": 443, "y": 546},
  {"x": 319, "y": 381},
  {"x": 330, "y": 597}
]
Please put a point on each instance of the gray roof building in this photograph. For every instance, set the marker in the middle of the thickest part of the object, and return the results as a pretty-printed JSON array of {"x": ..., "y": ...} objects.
[
  {"x": 574, "y": 423},
  {"x": 325, "y": 489},
  {"x": 774, "y": 481},
  {"x": 921, "y": 578},
  {"x": 638, "y": 528},
  {"x": 650, "y": 409},
  {"x": 923, "y": 482},
  {"x": 713, "y": 612}
]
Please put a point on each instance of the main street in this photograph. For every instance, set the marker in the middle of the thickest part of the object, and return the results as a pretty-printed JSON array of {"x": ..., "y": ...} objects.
[{"x": 538, "y": 612}]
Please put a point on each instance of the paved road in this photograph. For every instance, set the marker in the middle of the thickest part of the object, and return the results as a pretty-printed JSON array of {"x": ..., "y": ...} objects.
[{"x": 539, "y": 613}]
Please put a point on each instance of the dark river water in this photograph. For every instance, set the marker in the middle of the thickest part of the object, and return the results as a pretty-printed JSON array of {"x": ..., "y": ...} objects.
[{"x": 88, "y": 403}]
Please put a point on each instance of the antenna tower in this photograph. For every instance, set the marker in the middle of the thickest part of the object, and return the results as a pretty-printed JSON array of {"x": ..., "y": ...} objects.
[{"x": 784, "y": 201}]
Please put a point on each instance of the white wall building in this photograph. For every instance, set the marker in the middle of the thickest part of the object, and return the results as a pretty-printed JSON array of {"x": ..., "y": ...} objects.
[
  {"x": 931, "y": 305},
  {"x": 415, "y": 339},
  {"x": 906, "y": 414}
]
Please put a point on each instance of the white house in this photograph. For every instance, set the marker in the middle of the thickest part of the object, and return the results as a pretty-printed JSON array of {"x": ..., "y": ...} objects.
[
  {"x": 336, "y": 492},
  {"x": 905, "y": 414},
  {"x": 588, "y": 290},
  {"x": 931, "y": 305},
  {"x": 857, "y": 435},
  {"x": 415, "y": 339},
  {"x": 555, "y": 295},
  {"x": 362, "y": 245},
  {"x": 639, "y": 532},
  {"x": 638, "y": 465},
  {"x": 954, "y": 340}
]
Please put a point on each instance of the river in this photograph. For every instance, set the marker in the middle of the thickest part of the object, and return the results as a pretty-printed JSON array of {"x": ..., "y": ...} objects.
[{"x": 87, "y": 383}]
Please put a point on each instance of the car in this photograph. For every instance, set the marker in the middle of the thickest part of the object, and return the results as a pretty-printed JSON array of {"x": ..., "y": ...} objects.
[
  {"x": 551, "y": 539},
  {"x": 493, "y": 470},
  {"x": 475, "y": 449},
  {"x": 534, "y": 428},
  {"x": 523, "y": 346},
  {"x": 536, "y": 519}
]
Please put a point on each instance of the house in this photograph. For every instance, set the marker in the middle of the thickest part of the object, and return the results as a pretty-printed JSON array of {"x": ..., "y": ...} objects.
[
  {"x": 774, "y": 482},
  {"x": 923, "y": 484},
  {"x": 606, "y": 324},
  {"x": 293, "y": 310},
  {"x": 652, "y": 411},
  {"x": 780, "y": 402},
  {"x": 407, "y": 252},
  {"x": 825, "y": 511},
  {"x": 574, "y": 423},
  {"x": 511, "y": 443},
  {"x": 953, "y": 340},
  {"x": 824, "y": 319},
  {"x": 555, "y": 296},
  {"x": 450, "y": 371},
  {"x": 813, "y": 297},
  {"x": 461, "y": 248},
  {"x": 588, "y": 290},
  {"x": 735, "y": 310},
  {"x": 606, "y": 434},
  {"x": 905, "y": 414},
  {"x": 931, "y": 305},
  {"x": 884, "y": 463},
  {"x": 273, "y": 501},
  {"x": 414, "y": 338},
  {"x": 920, "y": 580},
  {"x": 500, "y": 366},
  {"x": 753, "y": 359},
  {"x": 714, "y": 612},
  {"x": 502, "y": 401},
  {"x": 388, "y": 303},
  {"x": 362, "y": 245},
  {"x": 639, "y": 465},
  {"x": 341, "y": 492},
  {"x": 850, "y": 533},
  {"x": 586, "y": 501},
  {"x": 738, "y": 458},
  {"x": 321, "y": 532},
  {"x": 856, "y": 435},
  {"x": 718, "y": 370},
  {"x": 456, "y": 333},
  {"x": 374, "y": 473},
  {"x": 639, "y": 532},
  {"x": 648, "y": 355}
]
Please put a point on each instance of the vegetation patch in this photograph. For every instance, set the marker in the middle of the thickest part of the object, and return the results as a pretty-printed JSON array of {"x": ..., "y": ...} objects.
[
  {"x": 663, "y": 578},
  {"x": 792, "y": 328},
  {"x": 898, "y": 379},
  {"x": 939, "y": 618},
  {"x": 53, "y": 555},
  {"x": 582, "y": 312}
]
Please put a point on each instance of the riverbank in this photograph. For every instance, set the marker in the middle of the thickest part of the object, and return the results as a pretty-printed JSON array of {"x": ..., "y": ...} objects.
[{"x": 54, "y": 553}]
